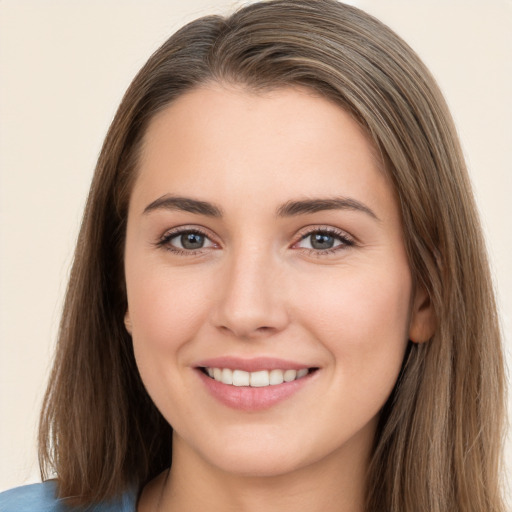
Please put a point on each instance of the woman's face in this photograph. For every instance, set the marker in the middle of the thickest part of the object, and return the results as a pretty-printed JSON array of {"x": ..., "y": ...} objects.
[{"x": 269, "y": 294}]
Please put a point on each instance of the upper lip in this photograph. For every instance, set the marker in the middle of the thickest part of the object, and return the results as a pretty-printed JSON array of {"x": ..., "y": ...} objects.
[{"x": 251, "y": 365}]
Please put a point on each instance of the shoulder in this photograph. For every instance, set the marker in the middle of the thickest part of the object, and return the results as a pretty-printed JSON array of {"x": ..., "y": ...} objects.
[
  {"x": 35, "y": 497},
  {"x": 42, "y": 498}
]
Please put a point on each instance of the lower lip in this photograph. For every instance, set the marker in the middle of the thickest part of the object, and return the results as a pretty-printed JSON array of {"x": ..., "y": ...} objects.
[{"x": 246, "y": 398}]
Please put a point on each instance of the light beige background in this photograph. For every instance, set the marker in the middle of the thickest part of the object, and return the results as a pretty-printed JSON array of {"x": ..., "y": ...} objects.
[{"x": 63, "y": 68}]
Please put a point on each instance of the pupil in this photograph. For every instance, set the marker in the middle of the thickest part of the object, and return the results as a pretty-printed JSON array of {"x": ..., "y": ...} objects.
[
  {"x": 322, "y": 241},
  {"x": 192, "y": 241}
]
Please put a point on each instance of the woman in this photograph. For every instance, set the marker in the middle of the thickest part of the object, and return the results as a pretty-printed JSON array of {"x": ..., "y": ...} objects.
[{"x": 280, "y": 257}]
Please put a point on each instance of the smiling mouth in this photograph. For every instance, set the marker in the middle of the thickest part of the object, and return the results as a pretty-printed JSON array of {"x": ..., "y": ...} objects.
[{"x": 258, "y": 379}]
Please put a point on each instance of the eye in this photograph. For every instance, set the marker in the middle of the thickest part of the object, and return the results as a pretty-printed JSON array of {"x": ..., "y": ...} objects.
[
  {"x": 189, "y": 241},
  {"x": 186, "y": 241},
  {"x": 324, "y": 241}
]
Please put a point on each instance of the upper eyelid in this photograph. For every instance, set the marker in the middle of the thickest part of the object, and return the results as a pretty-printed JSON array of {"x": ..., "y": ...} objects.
[
  {"x": 171, "y": 232},
  {"x": 306, "y": 231}
]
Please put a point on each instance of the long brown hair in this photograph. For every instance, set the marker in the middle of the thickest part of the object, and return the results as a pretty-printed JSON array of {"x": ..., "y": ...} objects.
[{"x": 437, "y": 447}]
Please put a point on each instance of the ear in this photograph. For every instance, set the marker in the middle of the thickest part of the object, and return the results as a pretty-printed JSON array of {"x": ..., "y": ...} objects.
[
  {"x": 128, "y": 322},
  {"x": 423, "y": 320}
]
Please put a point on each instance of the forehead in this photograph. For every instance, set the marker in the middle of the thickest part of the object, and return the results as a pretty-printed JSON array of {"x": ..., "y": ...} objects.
[{"x": 229, "y": 141}]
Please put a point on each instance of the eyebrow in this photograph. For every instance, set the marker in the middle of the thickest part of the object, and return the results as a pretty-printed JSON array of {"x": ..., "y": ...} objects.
[
  {"x": 288, "y": 209},
  {"x": 293, "y": 208},
  {"x": 185, "y": 204}
]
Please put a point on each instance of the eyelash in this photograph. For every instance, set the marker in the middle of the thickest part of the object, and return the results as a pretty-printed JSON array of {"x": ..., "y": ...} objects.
[
  {"x": 339, "y": 235},
  {"x": 164, "y": 242}
]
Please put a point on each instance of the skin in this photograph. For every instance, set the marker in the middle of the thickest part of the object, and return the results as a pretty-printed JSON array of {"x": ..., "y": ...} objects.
[{"x": 259, "y": 288}]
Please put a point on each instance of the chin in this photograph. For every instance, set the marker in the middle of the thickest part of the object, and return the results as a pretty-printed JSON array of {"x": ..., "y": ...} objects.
[
  {"x": 259, "y": 464},
  {"x": 244, "y": 452},
  {"x": 267, "y": 454}
]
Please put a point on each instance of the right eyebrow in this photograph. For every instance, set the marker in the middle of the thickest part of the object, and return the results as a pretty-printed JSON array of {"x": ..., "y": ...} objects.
[{"x": 186, "y": 204}]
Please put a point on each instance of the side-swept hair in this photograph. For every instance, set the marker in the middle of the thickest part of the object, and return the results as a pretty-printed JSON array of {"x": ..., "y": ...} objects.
[{"x": 437, "y": 447}]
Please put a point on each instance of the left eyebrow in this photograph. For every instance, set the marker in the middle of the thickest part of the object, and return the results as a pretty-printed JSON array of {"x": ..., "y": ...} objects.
[{"x": 305, "y": 206}]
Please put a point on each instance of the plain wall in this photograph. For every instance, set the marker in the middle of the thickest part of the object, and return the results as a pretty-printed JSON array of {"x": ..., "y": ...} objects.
[{"x": 63, "y": 69}]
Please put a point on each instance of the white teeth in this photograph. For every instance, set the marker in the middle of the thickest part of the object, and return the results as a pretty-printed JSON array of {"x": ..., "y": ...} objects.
[
  {"x": 240, "y": 378},
  {"x": 290, "y": 375},
  {"x": 276, "y": 377},
  {"x": 257, "y": 379},
  {"x": 227, "y": 376}
]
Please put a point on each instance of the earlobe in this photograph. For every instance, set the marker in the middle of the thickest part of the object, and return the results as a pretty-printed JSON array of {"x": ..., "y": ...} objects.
[
  {"x": 128, "y": 322},
  {"x": 423, "y": 322}
]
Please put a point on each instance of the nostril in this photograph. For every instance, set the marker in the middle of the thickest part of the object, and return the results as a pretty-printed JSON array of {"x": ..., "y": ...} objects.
[{"x": 242, "y": 332}]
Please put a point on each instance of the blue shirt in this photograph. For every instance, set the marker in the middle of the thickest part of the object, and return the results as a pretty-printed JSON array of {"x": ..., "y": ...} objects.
[{"x": 42, "y": 498}]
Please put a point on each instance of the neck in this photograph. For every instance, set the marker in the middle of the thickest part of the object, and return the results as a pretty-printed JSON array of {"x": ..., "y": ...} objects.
[{"x": 335, "y": 483}]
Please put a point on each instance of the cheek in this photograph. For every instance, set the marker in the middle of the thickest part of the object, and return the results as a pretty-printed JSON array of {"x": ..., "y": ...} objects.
[
  {"x": 165, "y": 309},
  {"x": 361, "y": 318},
  {"x": 363, "y": 326}
]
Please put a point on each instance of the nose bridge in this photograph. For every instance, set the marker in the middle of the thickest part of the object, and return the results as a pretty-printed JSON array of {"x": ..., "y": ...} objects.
[{"x": 251, "y": 302}]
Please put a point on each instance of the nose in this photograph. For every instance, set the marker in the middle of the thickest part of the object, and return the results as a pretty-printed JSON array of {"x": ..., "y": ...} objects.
[{"x": 251, "y": 300}]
